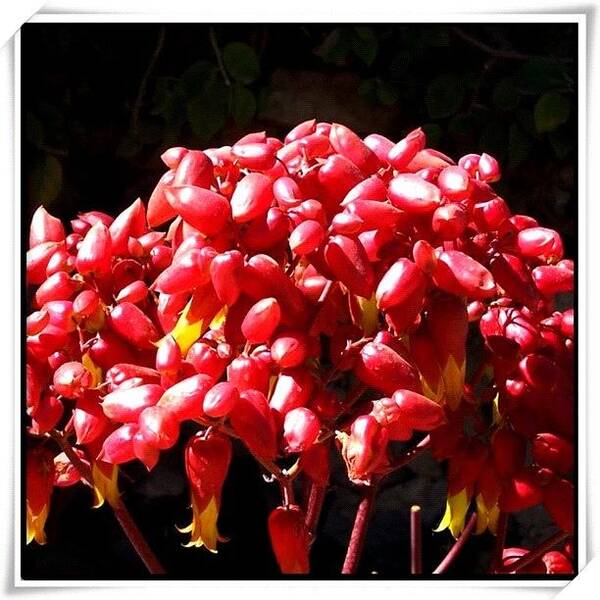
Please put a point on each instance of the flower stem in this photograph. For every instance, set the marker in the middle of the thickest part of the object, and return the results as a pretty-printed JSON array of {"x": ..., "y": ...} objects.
[
  {"x": 536, "y": 553},
  {"x": 457, "y": 547},
  {"x": 416, "y": 545},
  {"x": 316, "y": 497},
  {"x": 131, "y": 530},
  {"x": 500, "y": 541},
  {"x": 359, "y": 530}
]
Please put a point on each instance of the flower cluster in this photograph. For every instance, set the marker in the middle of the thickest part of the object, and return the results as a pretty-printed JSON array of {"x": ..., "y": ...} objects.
[{"x": 305, "y": 295}]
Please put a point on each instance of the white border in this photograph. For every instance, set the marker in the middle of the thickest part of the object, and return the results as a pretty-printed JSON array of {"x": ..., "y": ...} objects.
[{"x": 252, "y": 13}]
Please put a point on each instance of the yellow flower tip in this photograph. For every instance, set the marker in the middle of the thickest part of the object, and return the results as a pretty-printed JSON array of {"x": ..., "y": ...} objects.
[
  {"x": 35, "y": 526},
  {"x": 93, "y": 368},
  {"x": 219, "y": 319},
  {"x": 454, "y": 381},
  {"x": 105, "y": 488},
  {"x": 203, "y": 528},
  {"x": 456, "y": 511}
]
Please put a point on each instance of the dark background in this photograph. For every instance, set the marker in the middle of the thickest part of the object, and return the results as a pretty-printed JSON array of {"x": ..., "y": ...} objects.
[{"x": 102, "y": 101}]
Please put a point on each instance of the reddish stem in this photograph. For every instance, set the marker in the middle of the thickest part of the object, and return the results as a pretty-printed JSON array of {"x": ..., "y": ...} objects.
[
  {"x": 131, "y": 530},
  {"x": 500, "y": 542},
  {"x": 316, "y": 497},
  {"x": 359, "y": 530},
  {"x": 416, "y": 544},
  {"x": 457, "y": 547},
  {"x": 536, "y": 553}
]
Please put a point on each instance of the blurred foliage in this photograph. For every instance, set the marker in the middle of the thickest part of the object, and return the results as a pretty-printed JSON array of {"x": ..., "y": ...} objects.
[{"x": 101, "y": 102}]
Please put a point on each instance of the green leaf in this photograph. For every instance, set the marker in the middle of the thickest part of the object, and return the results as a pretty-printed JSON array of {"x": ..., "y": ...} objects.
[
  {"x": 45, "y": 181},
  {"x": 519, "y": 145},
  {"x": 561, "y": 144},
  {"x": 551, "y": 111},
  {"x": 365, "y": 45},
  {"x": 539, "y": 75},
  {"x": 206, "y": 115},
  {"x": 335, "y": 47},
  {"x": 243, "y": 105},
  {"x": 387, "y": 93},
  {"x": 195, "y": 77},
  {"x": 130, "y": 145},
  {"x": 368, "y": 89},
  {"x": 444, "y": 96},
  {"x": 241, "y": 62},
  {"x": 506, "y": 95}
]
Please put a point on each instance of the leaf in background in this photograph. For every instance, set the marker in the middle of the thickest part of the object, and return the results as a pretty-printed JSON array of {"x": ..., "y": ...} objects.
[
  {"x": 129, "y": 146},
  {"x": 433, "y": 132},
  {"x": 207, "y": 112},
  {"x": 387, "y": 93},
  {"x": 365, "y": 45},
  {"x": 435, "y": 36},
  {"x": 519, "y": 145},
  {"x": 506, "y": 95},
  {"x": 494, "y": 139},
  {"x": 243, "y": 105},
  {"x": 551, "y": 111},
  {"x": 335, "y": 47},
  {"x": 241, "y": 62},
  {"x": 539, "y": 75},
  {"x": 400, "y": 64},
  {"x": 45, "y": 181},
  {"x": 368, "y": 90},
  {"x": 195, "y": 76},
  {"x": 444, "y": 96},
  {"x": 561, "y": 143},
  {"x": 462, "y": 127}
]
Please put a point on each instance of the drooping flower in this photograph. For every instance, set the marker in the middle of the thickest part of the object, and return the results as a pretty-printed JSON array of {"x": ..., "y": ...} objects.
[
  {"x": 207, "y": 459},
  {"x": 290, "y": 539},
  {"x": 39, "y": 481}
]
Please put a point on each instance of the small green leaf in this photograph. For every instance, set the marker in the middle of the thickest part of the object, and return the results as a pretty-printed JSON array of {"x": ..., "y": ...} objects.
[
  {"x": 551, "y": 111},
  {"x": 506, "y": 95},
  {"x": 206, "y": 115},
  {"x": 335, "y": 47},
  {"x": 444, "y": 96},
  {"x": 243, "y": 105},
  {"x": 387, "y": 93},
  {"x": 45, "y": 180},
  {"x": 539, "y": 75},
  {"x": 196, "y": 75},
  {"x": 241, "y": 62},
  {"x": 365, "y": 45}
]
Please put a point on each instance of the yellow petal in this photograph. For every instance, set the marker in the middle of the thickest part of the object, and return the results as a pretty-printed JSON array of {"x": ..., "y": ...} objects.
[
  {"x": 203, "y": 528},
  {"x": 35, "y": 525},
  {"x": 496, "y": 416},
  {"x": 185, "y": 332},
  {"x": 454, "y": 382},
  {"x": 93, "y": 368},
  {"x": 369, "y": 314},
  {"x": 105, "y": 487},
  {"x": 219, "y": 319}
]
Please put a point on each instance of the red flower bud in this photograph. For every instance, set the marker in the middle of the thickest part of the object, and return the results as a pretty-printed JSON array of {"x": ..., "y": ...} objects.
[
  {"x": 95, "y": 252},
  {"x": 252, "y": 197},
  {"x": 159, "y": 427},
  {"x": 261, "y": 321},
  {"x": 118, "y": 446},
  {"x": 348, "y": 144},
  {"x": 349, "y": 263},
  {"x": 45, "y": 228},
  {"x": 449, "y": 221},
  {"x": 382, "y": 368},
  {"x": 491, "y": 214},
  {"x": 554, "y": 452},
  {"x": 131, "y": 223},
  {"x": 380, "y": 145},
  {"x": 455, "y": 184},
  {"x": 188, "y": 272},
  {"x": 458, "y": 273},
  {"x": 306, "y": 237},
  {"x": 540, "y": 242},
  {"x": 520, "y": 493},
  {"x": 226, "y": 272},
  {"x": 488, "y": 168},
  {"x": 126, "y": 405},
  {"x": 559, "y": 502},
  {"x": 300, "y": 429},
  {"x": 417, "y": 411},
  {"x": 252, "y": 421},
  {"x": 207, "y": 461},
  {"x": 413, "y": 194},
  {"x": 402, "y": 284},
  {"x": 292, "y": 389},
  {"x": 71, "y": 380},
  {"x": 290, "y": 539},
  {"x": 289, "y": 349},
  {"x": 129, "y": 322},
  {"x": 59, "y": 286},
  {"x": 184, "y": 399},
  {"x": 314, "y": 462},
  {"x": 400, "y": 155},
  {"x": 220, "y": 400},
  {"x": 364, "y": 449},
  {"x": 551, "y": 280},
  {"x": 508, "y": 452},
  {"x": 203, "y": 209},
  {"x": 136, "y": 292},
  {"x": 248, "y": 373}
]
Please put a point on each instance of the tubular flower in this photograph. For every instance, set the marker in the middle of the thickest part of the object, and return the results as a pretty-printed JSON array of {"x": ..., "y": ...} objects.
[
  {"x": 39, "y": 481},
  {"x": 207, "y": 459},
  {"x": 290, "y": 539}
]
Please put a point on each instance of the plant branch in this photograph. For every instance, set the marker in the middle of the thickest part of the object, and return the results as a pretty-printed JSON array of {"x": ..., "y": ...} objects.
[
  {"x": 131, "y": 530},
  {"x": 498, "y": 53},
  {"x": 215, "y": 47},
  {"x": 457, "y": 547},
  {"x": 409, "y": 455},
  {"x": 316, "y": 497},
  {"x": 135, "y": 115},
  {"x": 359, "y": 530},
  {"x": 500, "y": 542},
  {"x": 536, "y": 553},
  {"x": 416, "y": 544}
]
